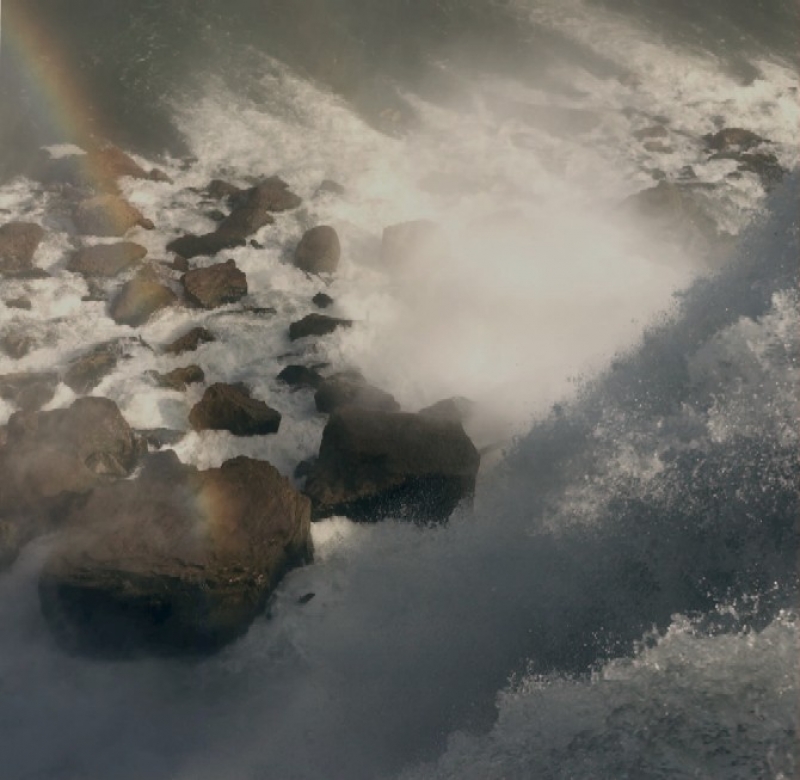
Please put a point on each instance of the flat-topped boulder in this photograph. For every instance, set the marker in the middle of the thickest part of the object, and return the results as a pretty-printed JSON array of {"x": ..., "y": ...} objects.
[
  {"x": 373, "y": 465},
  {"x": 189, "y": 341},
  {"x": 107, "y": 259},
  {"x": 232, "y": 408},
  {"x": 215, "y": 285},
  {"x": 349, "y": 389},
  {"x": 18, "y": 244},
  {"x": 28, "y": 392},
  {"x": 319, "y": 251},
  {"x": 176, "y": 561},
  {"x": 140, "y": 298},
  {"x": 108, "y": 215},
  {"x": 316, "y": 325}
]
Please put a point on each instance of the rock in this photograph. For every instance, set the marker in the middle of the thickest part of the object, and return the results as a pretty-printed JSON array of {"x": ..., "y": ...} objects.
[
  {"x": 215, "y": 285},
  {"x": 219, "y": 189},
  {"x": 653, "y": 131},
  {"x": 256, "y": 245},
  {"x": 374, "y": 465},
  {"x": 18, "y": 244},
  {"x": 28, "y": 392},
  {"x": 231, "y": 408},
  {"x": 215, "y": 215},
  {"x": 347, "y": 390},
  {"x": 139, "y": 299},
  {"x": 106, "y": 259},
  {"x": 177, "y": 561},
  {"x": 322, "y": 301},
  {"x": 109, "y": 163},
  {"x": 270, "y": 194},
  {"x": 190, "y": 341},
  {"x": 330, "y": 187},
  {"x": 300, "y": 376},
  {"x": 108, "y": 215},
  {"x": 316, "y": 325},
  {"x": 207, "y": 245},
  {"x": 409, "y": 244},
  {"x": 456, "y": 409},
  {"x": 732, "y": 137},
  {"x": 16, "y": 344},
  {"x": 179, "y": 378},
  {"x": 764, "y": 165},
  {"x": 158, "y": 438},
  {"x": 86, "y": 371},
  {"x": 180, "y": 264},
  {"x": 50, "y": 459},
  {"x": 318, "y": 251},
  {"x": 19, "y": 303},
  {"x": 657, "y": 147}
]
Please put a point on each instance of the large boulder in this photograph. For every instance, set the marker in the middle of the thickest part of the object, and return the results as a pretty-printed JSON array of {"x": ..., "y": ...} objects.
[
  {"x": 177, "y": 561},
  {"x": 231, "y": 408},
  {"x": 108, "y": 215},
  {"x": 216, "y": 285},
  {"x": 316, "y": 325},
  {"x": 18, "y": 243},
  {"x": 50, "y": 459},
  {"x": 106, "y": 259},
  {"x": 374, "y": 465},
  {"x": 190, "y": 341},
  {"x": 351, "y": 389},
  {"x": 139, "y": 299},
  {"x": 319, "y": 250}
]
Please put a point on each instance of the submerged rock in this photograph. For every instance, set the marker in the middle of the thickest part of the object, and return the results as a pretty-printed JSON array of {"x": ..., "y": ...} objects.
[
  {"x": 316, "y": 325},
  {"x": 177, "y": 561},
  {"x": 216, "y": 285},
  {"x": 86, "y": 371},
  {"x": 139, "y": 299},
  {"x": 179, "y": 378},
  {"x": 348, "y": 389},
  {"x": 29, "y": 392},
  {"x": 374, "y": 465},
  {"x": 18, "y": 244},
  {"x": 106, "y": 259},
  {"x": 190, "y": 341},
  {"x": 231, "y": 408},
  {"x": 108, "y": 215},
  {"x": 318, "y": 251}
]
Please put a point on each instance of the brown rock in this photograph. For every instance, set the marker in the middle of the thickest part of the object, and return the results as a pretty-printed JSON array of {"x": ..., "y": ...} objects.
[
  {"x": 18, "y": 243},
  {"x": 207, "y": 245},
  {"x": 86, "y": 371},
  {"x": 348, "y": 390},
  {"x": 318, "y": 251},
  {"x": 219, "y": 189},
  {"x": 109, "y": 163},
  {"x": 108, "y": 215},
  {"x": 19, "y": 303},
  {"x": 374, "y": 465},
  {"x": 316, "y": 325},
  {"x": 29, "y": 392},
  {"x": 653, "y": 131},
  {"x": 179, "y": 378},
  {"x": 178, "y": 560},
  {"x": 139, "y": 299},
  {"x": 16, "y": 344},
  {"x": 732, "y": 137},
  {"x": 216, "y": 285},
  {"x": 231, "y": 408},
  {"x": 106, "y": 259},
  {"x": 190, "y": 341}
]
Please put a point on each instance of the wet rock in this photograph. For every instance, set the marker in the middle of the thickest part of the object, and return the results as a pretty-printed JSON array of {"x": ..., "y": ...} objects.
[
  {"x": 158, "y": 438},
  {"x": 652, "y": 131},
  {"x": 180, "y": 264},
  {"x": 18, "y": 244},
  {"x": 19, "y": 303},
  {"x": 456, "y": 409},
  {"x": 207, "y": 245},
  {"x": 109, "y": 163},
  {"x": 50, "y": 459},
  {"x": 106, "y": 259},
  {"x": 231, "y": 408},
  {"x": 216, "y": 285},
  {"x": 179, "y": 378},
  {"x": 352, "y": 390},
  {"x": 177, "y": 561},
  {"x": 271, "y": 194},
  {"x": 28, "y": 392},
  {"x": 732, "y": 138},
  {"x": 657, "y": 147},
  {"x": 318, "y": 251},
  {"x": 300, "y": 376},
  {"x": 330, "y": 187},
  {"x": 215, "y": 215},
  {"x": 95, "y": 291},
  {"x": 219, "y": 189},
  {"x": 139, "y": 299},
  {"x": 316, "y": 325},
  {"x": 16, "y": 344},
  {"x": 190, "y": 341},
  {"x": 86, "y": 371},
  {"x": 255, "y": 244},
  {"x": 108, "y": 215},
  {"x": 764, "y": 165},
  {"x": 322, "y": 301},
  {"x": 374, "y": 465}
]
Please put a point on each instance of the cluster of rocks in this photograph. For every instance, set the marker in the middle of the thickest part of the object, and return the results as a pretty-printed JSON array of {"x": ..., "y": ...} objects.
[{"x": 155, "y": 554}]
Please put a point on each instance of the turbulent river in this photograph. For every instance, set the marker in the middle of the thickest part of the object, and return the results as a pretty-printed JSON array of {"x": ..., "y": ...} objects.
[{"x": 621, "y": 600}]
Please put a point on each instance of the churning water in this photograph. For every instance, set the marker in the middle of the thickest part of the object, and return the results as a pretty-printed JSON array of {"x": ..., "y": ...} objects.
[{"x": 621, "y": 601}]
